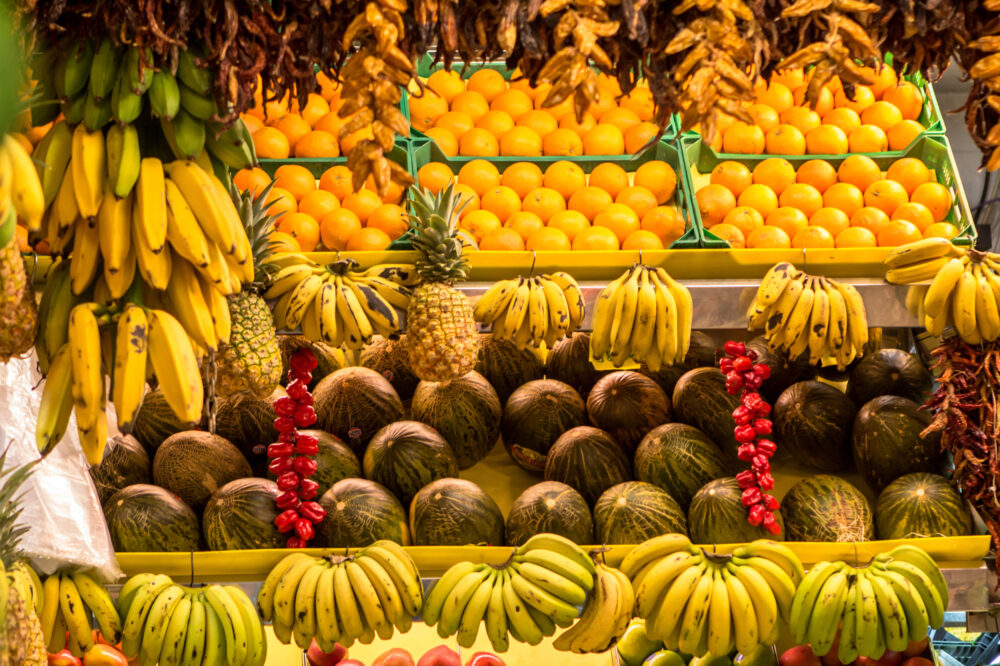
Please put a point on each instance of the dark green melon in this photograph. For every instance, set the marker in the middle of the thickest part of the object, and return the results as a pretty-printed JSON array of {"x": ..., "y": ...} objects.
[
  {"x": 194, "y": 464},
  {"x": 535, "y": 415},
  {"x": 455, "y": 512},
  {"x": 589, "y": 460},
  {"x": 358, "y": 513},
  {"x": 334, "y": 461},
  {"x": 390, "y": 359},
  {"x": 784, "y": 371},
  {"x": 889, "y": 372},
  {"x": 812, "y": 425},
  {"x": 125, "y": 463},
  {"x": 634, "y": 511},
  {"x": 466, "y": 411},
  {"x": 248, "y": 422},
  {"x": 700, "y": 400},
  {"x": 355, "y": 403},
  {"x": 887, "y": 443},
  {"x": 240, "y": 516},
  {"x": 826, "y": 508},
  {"x": 407, "y": 455},
  {"x": 701, "y": 354},
  {"x": 147, "y": 518},
  {"x": 549, "y": 507},
  {"x": 155, "y": 421},
  {"x": 505, "y": 366},
  {"x": 921, "y": 505},
  {"x": 717, "y": 515},
  {"x": 569, "y": 362},
  {"x": 679, "y": 459},
  {"x": 627, "y": 405}
]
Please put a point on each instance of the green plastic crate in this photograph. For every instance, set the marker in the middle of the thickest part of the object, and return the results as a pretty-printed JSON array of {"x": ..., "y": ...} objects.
[{"x": 400, "y": 154}]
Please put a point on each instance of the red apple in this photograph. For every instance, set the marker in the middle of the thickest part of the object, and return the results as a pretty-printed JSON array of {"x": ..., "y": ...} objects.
[
  {"x": 394, "y": 657},
  {"x": 351, "y": 662},
  {"x": 889, "y": 658},
  {"x": 64, "y": 658},
  {"x": 917, "y": 648},
  {"x": 485, "y": 659},
  {"x": 442, "y": 655},
  {"x": 800, "y": 655},
  {"x": 918, "y": 661},
  {"x": 830, "y": 658},
  {"x": 317, "y": 657}
]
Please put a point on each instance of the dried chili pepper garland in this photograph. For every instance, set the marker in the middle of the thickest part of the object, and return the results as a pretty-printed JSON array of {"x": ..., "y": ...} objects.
[
  {"x": 293, "y": 456},
  {"x": 744, "y": 378}
]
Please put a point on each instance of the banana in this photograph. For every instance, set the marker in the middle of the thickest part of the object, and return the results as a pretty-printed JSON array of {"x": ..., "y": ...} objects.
[
  {"x": 475, "y": 610},
  {"x": 96, "y": 113},
  {"x": 100, "y": 604},
  {"x": 26, "y": 191},
  {"x": 347, "y": 605},
  {"x": 663, "y": 572},
  {"x": 203, "y": 198},
  {"x": 798, "y": 319},
  {"x": 764, "y": 603},
  {"x": 685, "y": 313},
  {"x": 104, "y": 69},
  {"x": 218, "y": 309},
  {"x": 695, "y": 622},
  {"x": 157, "y": 624},
  {"x": 151, "y": 204},
  {"x": 597, "y": 621},
  {"x": 88, "y": 163},
  {"x": 51, "y": 157},
  {"x": 188, "y": 304},
  {"x": 285, "y": 593},
  {"x": 665, "y": 624},
  {"x": 964, "y": 305},
  {"x": 357, "y": 329},
  {"x": 520, "y": 623},
  {"x": 819, "y": 320},
  {"x": 643, "y": 332},
  {"x": 847, "y": 646},
  {"x": 604, "y": 313},
  {"x": 183, "y": 232},
  {"x": 496, "y": 616},
  {"x": 891, "y": 613},
  {"x": 371, "y": 606},
  {"x": 215, "y": 637},
  {"x": 574, "y": 297},
  {"x": 561, "y": 545},
  {"x": 920, "y": 559},
  {"x": 232, "y": 146},
  {"x": 114, "y": 231},
  {"x": 126, "y": 105},
  {"x": 164, "y": 95},
  {"x": 917, "y": 619},
  {"x": 327, "y": 625},
  {"x": 155, "y": 267},
  {"x": 987, "y": 312},
  {"x": 88, "y": 379},
  {"x": 199, "y": 106},
  {"x": 624, "y": 319},
  {"x": 742, "y": 610},
  {"x": 838, "y": 324},
  {"x": 192, "y": 75},
  {"x": 778, "y": 313},
  {"x": 920, "y": 251},
  {"x": 75, "y": 614},
  {"x": 925, "y": 588},
  {"x": 458, "y": 599},
  {"x": 330, "y": 329},
  {"x": 229, "y": 613},
  {"x": 72, "y": 109},
  {"x": 781, "y": 585},
  {"x": 56, "y": 403},
  {"x": 944, "y": 283},
  {"x": 50, "y": 606},
  {"x": 388, "y": 595},
  {"x": 172, "y": 647},
  {"x": 666, "y": 320},
  {"x": 75, "y": 68},
  {"x": 64, "y": 206},
  {"x": 304, "y": 606},
  {"x": 186, "y": 134},
  {"x": 806, "y": 594},
  {"x": 517, "y": 311},
  {"x": 136, "y": 610},
  {"x": 256, "y": 639},
  {"x": 545, "y": 623},
  {"x": 857, "y": 318},
  {"x": 773, "y": 284},
  {"x": 265, "y": 598},
  {"x": 193, "y": 645},
  {"x": 538, "y": 313},
  {"x": 123, "y": 158},
  {"x": 385, "y": 319},
  {"x": 439, "y": 593},
  {"x": 175, "y": 366},
  {"x": 301, "y": 296},
  {"x": 57, "y": 641},
  {"x": 776, "y": 552},
  {"x": 551, "y": 582},
  {"x": 917, "y": 273},
  {"x": 826, "y": 615},
  {"x": 557, "y": 306},
  {"x": 83, "y": 266},
  {"x": 392, "y": 293}
]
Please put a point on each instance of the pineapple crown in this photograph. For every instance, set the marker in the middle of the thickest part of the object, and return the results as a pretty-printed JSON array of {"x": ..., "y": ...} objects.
[
  {"x": 255, "y": 215},
  {"x": 10, "y": 536},
  {"x": 434, "y": 231}
]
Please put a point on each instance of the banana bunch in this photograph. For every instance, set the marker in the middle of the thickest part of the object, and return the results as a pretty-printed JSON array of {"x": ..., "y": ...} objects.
[
  {"x": 644, "y": 315},
  {"x": 69, "y": 601},
  {"x": 529, "y": 311},
  {"x": 876, "y": 608},
  {"x": 538, "y": 589},
  {"x": 20, "y": 189},
  {"x": 706, "y": 604},
  {"x": 605, "y": 616},
  {"x": 336, "y": 304},
  {"x": 166, "y": 623},
  {"x": 800, "y": 313},
  {"x": 342, "y": 599}
]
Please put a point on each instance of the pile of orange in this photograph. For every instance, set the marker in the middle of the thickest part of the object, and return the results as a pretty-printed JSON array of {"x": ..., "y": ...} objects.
[
  {"x": 487, "y": 116},
  {"x": 878, "y": 118},
  {"x": 820, "y": 206},
  {"x": 562, "y": 208}
]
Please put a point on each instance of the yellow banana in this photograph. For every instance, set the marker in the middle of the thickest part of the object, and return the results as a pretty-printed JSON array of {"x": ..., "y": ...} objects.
[
  {"x": 52, "y": 154},
  {"x": 819, "y": 320},
  {"x": 644, "y": 331},
  {"x": 175, "y": 366},
  {"x": 939, "y": 294},
  {"x": 964, "y": 305},
  {"x": 124, "y": 158},
  {"x": 155, "y": 267},
  {"x": 987, "y": 313},
  {"x": 25, "y": 189},
  {"x": 919, "y": 251},
  {"x": 114, "y": 228},
  {"x": 64, "y": 206},
  {"x": 202, "y": 197},
  {"x": 604, "y": 312},
  {"x": 685, "y": 313},
  {"x": 86, "y": 257},
  {"x": 85, "y": 352},
  {"x": 89, "y": 170},
  {"x": 188, "y": 304},
  {"x": 773, "y": 283},
  {"x": 183, "y": 231},
  {"x": 151, "y": 204},
  {"x": 131, "y": 356},
  {"x": 57, "y": 401}
]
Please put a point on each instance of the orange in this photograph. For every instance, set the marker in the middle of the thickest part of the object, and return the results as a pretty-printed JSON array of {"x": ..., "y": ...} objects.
[
  {"x": 917, "y": 213},
  {"x": 777, "y": 96},
  {"x": 521, "y": 141},
  {"x": 487, "y": 82},
  {"x": 471, "y": 104},
  {"x": 906, "y": 97},
  {"x": 255, "y": 180},
  {"x": 444, "y": 139},
  {"x": 348, "y": 142},
  {"x": 867, "y": 139},
  {"x": 368, "y": 239},
  {"x": 803, "y": 118},
  {"x": 731, "y": 234},
  {"x": 818, "y": 173},
  {"x": 903, "y": 133},
  {"x": 620, "y": 118},
  {"x": 882, "y": 115},
  {"x": 788, "y": 219},
  {"x": 898, "y": 232},
  {"x": 294, "y": 127},
  {"x": 659, "y": 178},
  {"x": 253, "y": 123},
  {"x": 941, "y": 230},
  {"x": 759, "y": 197},
  {"x": 804, "y": 197},
  {"x": 520, "y": 82},
  {"x": 275, "y": 110},
  {"x": 562, "y": 142},
  {"x": 936, "y": 197},
  {"x": 792, "y": 78},
  {"x": 859, "y": 170},
  {"x": 590, "y": 201},
  {"x": 604, "y": 103},
  {"x": 478, "y": 142},
  {"x": 885, "y": 78},
  {"x": 543, "y": 202},
  {"x": 609, "y": 177},
  {"x": 282, "y": 242},
  {"x": 714, "y": 202},
  {"x": 502, "y": 239},
  {"x": 640, "y": 102},
  {"x": 826, "y": 140},
  {"x": 596, "y": 238},
  {"x": 862, "y": 99},
  {"x": 855, "y": 237},
  {"x": 609, "y": 84},
  {"x": 481, "y": 223},
  {"x": 743, "y": 139},
  {"x": 496, "y": 123},
  {"x": 570, "y": 222},
  {"x": 480, "y": 175},
  {"x": 390, "y": 218},
  {"x": 330, "y": 122},
  {"x": 467, "y": 199},
  {"x": 456, "y": 122},
  {"x": 522, "y": 177},
  {"x": 525, "y": 223},
  {"x": 603, "y": 139},
  {"x": 845, "y": 197},
  {"x": 296, "y": 179},
  {"x": 549, "y": 239},
  {"x": 281, "y": 202},
  {"x": 886, "y": 195},
  {"x": 764, "y": 116},
  {"x": 744, "y": 218},
  {"x": 271, "y": 143},
  {"x": 434, "y": 176},
  {"x": 638, "y": 135},
  {"x": 666, "y": 222},
  {"x": 642, "y": 240},
  {"x": 362, "y": 203},
  {"x": 824, "y": 103},
  {"x": 768, "y": 237},
  {"x": 813, "y": 237},
  {"x": 620, "y": 219},
  {"x": 785, "y": 140},
  {"x": 337, "y": 180},
  {"x": 734, "y": 176},
  {"x": 638, "y": 198},
  {"x": 502, "y": 201},
  {"x": 316, "y": 107},
  {"x": 908, "y": 172},
  {"x": 541, "y": 122},
  {"x": 844, "y": 118},
  {"x": 581, "y": 127},
  {"x": 774, "y": 172},
  {"x": 317, "y": 143},
  {"x": 447, "y": 84},
  {"x": 833, "y": 220},
  {"x": 303, "y": 228},
  {"x": 872, "y": 219},
  {"x": 564, "y": 177},
  {"x": 393, "y": 194},
  {"x": 319, "y": 203},
  {"x": 514, "y": 102},
  {"x": 426, "y": 109}
]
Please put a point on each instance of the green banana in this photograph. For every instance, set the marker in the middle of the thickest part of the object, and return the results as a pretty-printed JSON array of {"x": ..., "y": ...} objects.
[
  {"x": 164, "y": 95},
  {"x": 104, "y": 69}
]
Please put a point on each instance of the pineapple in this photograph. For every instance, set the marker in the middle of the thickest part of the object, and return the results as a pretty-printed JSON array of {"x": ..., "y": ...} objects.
[
  {"x": 251, "y": 362},
  {"x": 18, "y": 312},
  {"x": 440, "y": 331}
]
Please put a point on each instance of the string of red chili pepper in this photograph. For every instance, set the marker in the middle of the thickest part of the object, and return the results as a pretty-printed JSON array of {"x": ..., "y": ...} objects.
[
  {"x": 744, "y": 378},
  {"x": 293, "y": 456}
]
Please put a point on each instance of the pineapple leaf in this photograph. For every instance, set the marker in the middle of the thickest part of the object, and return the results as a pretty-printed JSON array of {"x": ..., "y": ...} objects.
[
  {"x": 255, "y": 215},
  {"x": 434, "y": 229},
  {"x": 10, "y": 482}
]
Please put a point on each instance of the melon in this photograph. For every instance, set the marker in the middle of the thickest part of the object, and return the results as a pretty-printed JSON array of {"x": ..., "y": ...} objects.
[
  {"x": 125, "y": 463},
  {"x": 155, "y": 421},
  {"x": 549, "y": 507},
  {"x": 390, "y": 359},
  {"x": 535, "y": 415},
  {"x": 717, "y": 515},
  {"x": 889, "y": 372},
  {"x": 701, "y": 354},
  {"x": 569, "y": 362},
  {"x": 679, "y": 459},
  {"x": 355, "y": 403},
  {"x": 505, "y": 366},
  {"x": 700, "y": 400},
  {"x": 334, "y": 461},
  {"x": 826, "y": 508},
  {"x": 407, "y": 455},
  {"x": 466, "y": 411},
  {"x": 784, "y": 371},
  {"x": 627, "y": 405},
  {"x": 921, "y": 505},
  {"x": 812, "y": 425},
  {"x": 248, "y": 422},
  {"x": 589, "y": 460},
  {"x": 240, "y": 516},
  {"x": 455, "y": 512},
  {"x": 358, "y": 513},
  {"x": 194, "y": 464},
  {"x": 634, "y": 511},
  {"x": 329, "y": 359},
  {"x": 147, "y": 518},
  {"x": 887, "y": 442}
]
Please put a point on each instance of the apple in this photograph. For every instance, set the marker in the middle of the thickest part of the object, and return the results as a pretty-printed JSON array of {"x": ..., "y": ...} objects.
[
  {"x": 317, "y": 657},
  {"x": 830, "y": 658},
  {"x": 442, "y": 655},
  {"x": 351, "y": 662},
  {"x": 64, "y": 658},
  {"x": 917, "y": 648},
  {"x": 918, "y": 661},
  {"x": 394, "y": 657},
  {"x": 800, "y": 655},
  {"x": 889, "y": 658},
  {"x": 485, "y": 659}
]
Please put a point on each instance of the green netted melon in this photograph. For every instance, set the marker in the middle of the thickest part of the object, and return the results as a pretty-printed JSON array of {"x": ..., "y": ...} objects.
[
  {"x": 455, "y": 512},
  {"x": 155, "y": 421},
  {"x": 717, "y": 515},
  {"x": 194, "y": 464},
  {"x": 535, "y": 415},
  {"x": 125, "y": 463},
  {"x": 390, "y": 359},
  {"x": 921, "y": 505},
  {"x": 784, "y": 371},
  {"x": 812, "y": 425},
  {"x": 589, "y": 460},
  {"x": 358, "y": 513},
  {"x": 240, "y": 516},
  {"x": 826, "y": 508},
  {"x": 887, "y": 443},
  {"x": 627, "y": 405},
  {"x": 466, "y": 411},
  {"x": 147, "y": 518},
  {"x": 334, "y": 461},
  {"x": 634, "y": 511},
  {"x": 407, "y": 455},
  {"x": 355, "y": 403},
  {"x": 700, "y": 400},
  {"x": 889, "y": 372},
  {"x": 679, "y": 459},
  {"x": 549, "y": 507},
  {"x": 505, "y": 366},
  {"x": 329, "y": 359},
  {"x": 701, "y": 354},
  {"x": 569, "y": 362},
  {"x": 248, "y": 422}
]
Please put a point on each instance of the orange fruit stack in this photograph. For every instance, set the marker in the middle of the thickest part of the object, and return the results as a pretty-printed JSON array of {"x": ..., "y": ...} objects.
[{"x": 819, "y": 206}]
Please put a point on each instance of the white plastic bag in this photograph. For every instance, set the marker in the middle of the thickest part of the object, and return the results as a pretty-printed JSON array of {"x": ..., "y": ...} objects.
[{"x": 61, "y": 508}]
